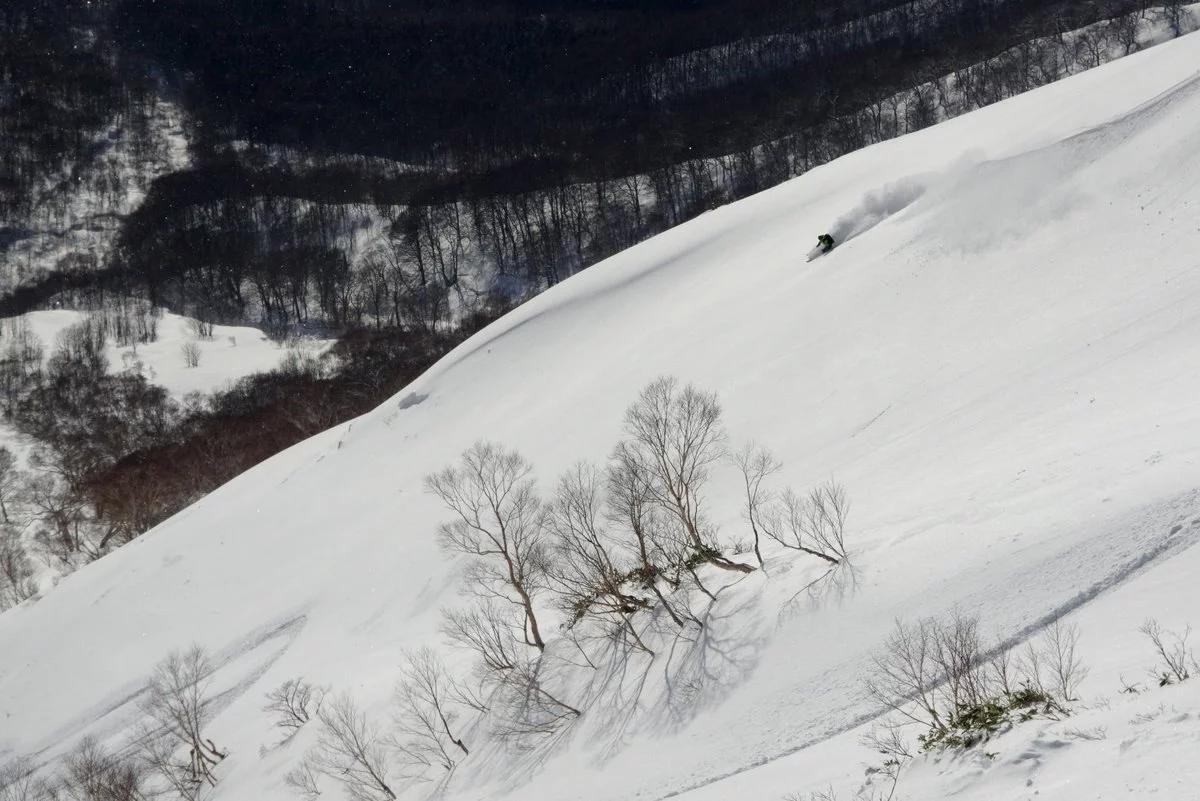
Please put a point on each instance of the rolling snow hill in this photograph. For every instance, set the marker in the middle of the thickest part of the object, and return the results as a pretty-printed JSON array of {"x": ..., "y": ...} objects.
[{"x": 998, "y": 362}]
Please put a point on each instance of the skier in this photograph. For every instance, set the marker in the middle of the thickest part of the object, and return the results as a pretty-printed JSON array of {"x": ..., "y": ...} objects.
[{"x": 824, "y": 245}]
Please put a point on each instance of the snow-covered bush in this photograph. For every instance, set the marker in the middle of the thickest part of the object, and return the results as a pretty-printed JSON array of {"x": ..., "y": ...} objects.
[{"x": 939, "y": 676}]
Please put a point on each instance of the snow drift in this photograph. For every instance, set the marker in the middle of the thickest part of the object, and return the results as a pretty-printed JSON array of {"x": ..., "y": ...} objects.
[{"x": 998, "y": 373}]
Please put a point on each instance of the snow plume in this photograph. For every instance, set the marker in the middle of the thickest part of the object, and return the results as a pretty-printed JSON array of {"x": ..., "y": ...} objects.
[{"x": 877, "y": 206}]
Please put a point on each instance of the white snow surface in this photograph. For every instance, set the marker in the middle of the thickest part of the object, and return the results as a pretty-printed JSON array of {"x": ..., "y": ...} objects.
[
  {"x": 1000, "y": 369},
  {"x": 231, "y": 352}
]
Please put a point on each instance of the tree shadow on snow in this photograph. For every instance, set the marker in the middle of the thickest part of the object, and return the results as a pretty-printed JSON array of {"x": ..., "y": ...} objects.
[{"x": 833, "y": 586}]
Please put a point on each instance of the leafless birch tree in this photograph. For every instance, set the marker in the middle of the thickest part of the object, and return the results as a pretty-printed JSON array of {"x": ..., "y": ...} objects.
[
  {"x": 92, "y": 773},
  {"x": 589, "y": 579},
  {"x": 815, "y": 525},
  {"x": 179, "y": 704},
  {"x": 427, "y": 713},
  {"x": 498, "y": 522},
  {"x": 16, "y": 571},
  {"x": 643, "y": 526},
  {"x": 757, "y": 465},
  {"x": 674, "y": 437},
  {"x": 292, "y": 704},
  {"x": 509, "y": 675},
  {"x": 350, "y": 750},
  {"x": 19, "y": 782}
]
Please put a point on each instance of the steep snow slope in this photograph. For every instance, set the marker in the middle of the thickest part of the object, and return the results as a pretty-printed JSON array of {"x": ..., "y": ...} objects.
[{"x": 997, "y": 365}]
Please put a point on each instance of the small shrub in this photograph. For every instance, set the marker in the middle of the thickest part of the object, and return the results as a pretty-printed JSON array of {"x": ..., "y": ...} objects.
[
  {"x": 1177, "y": 656},
  {"x": 191, "y": 354},
  {"x": 971, "y": 725}
]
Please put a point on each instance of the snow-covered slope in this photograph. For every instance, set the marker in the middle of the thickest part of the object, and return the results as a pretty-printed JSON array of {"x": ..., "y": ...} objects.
[{"x": 998, "y": 364}]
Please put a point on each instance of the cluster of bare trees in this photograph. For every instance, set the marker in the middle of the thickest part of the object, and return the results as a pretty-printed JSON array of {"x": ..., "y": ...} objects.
[
  {"x": 84, "y": 420},
  {"x": 91, "y": 772},
  {"x": 369, "y": 759},
  {"x": 612, "y": 550},
  {"x": 65, "y": 97},
  {"x": 169, "y": 755},
  {"x": 942, "y": 676},
  {"x": 282, "y": 262}
]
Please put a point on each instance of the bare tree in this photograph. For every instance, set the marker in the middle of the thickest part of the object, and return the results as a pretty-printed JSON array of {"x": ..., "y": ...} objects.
[
  {"x": 292, "y": 704},
  {"x": 904, "y": 674},
  {"x": 201, "y": 329},
  {"x": 178, "y": 702},
  {"x": 92, "y": 773},
  {"x": 351, "y": 750},
  {"x": 815, "y": 525},
  {"x": 174, "y": 774},
  {"x": 11, "y": 480},
  {"x": 304, "y": 779},
  {"x": 1174, "y": 651},
  {"x": 499, "y": 523},
  {"x": 1126, "y": 29},
  {"x": 1175, "y": 15},
  {"x": 648, "y": 537},
  {"x": 586, "y": 574},
  {"x": 1090, "y": 45},
  {"x": 756, "y": 464},
  {"x": 958, "y": 656},
  {"x": 19, "y": 782},
  {"x": 16, "y": 571},
  {"x": 191, "y": 354},
  {"x": 512, "y": 679},
  {"x": 61, "y": 513},
  {"x": 427, "y": 712},
  {"x": 488, "y": 629},
  {"x": 675, "y": 436},
  {"x": 1060, "y": 642}
]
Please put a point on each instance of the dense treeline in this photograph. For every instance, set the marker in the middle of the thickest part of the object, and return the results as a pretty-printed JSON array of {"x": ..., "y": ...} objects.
[
  {"x": 473, "y": 84},
  {"x": 63, "y": 84},
  {"x": 567, "y": 91}
]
